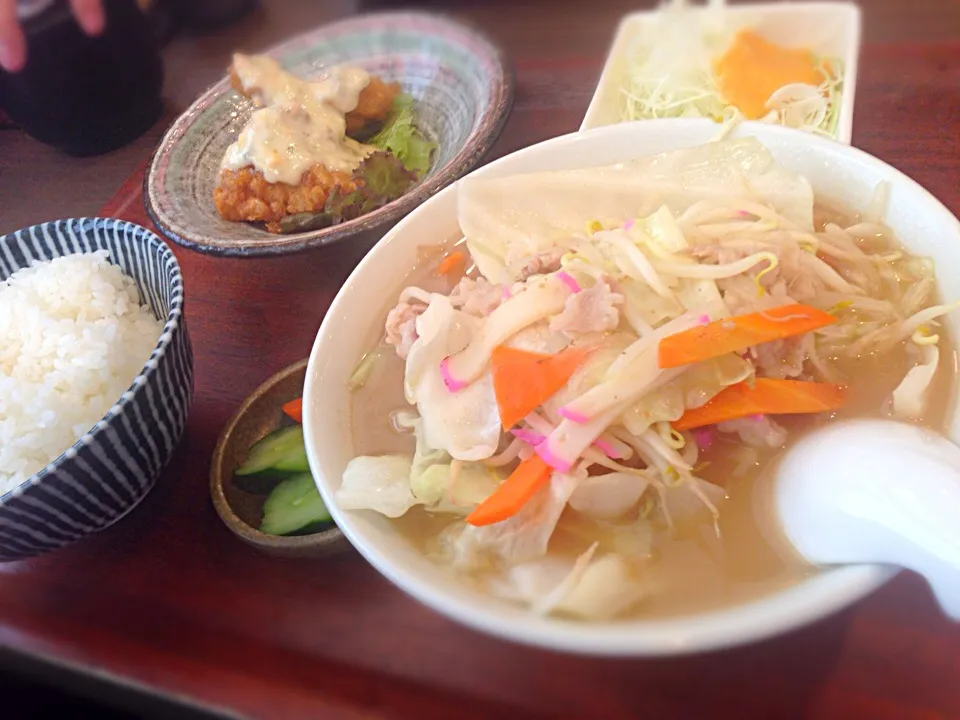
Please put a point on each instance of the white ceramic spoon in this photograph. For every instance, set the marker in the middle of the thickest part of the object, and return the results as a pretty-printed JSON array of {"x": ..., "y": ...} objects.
[{"x": 875, "y": 491}]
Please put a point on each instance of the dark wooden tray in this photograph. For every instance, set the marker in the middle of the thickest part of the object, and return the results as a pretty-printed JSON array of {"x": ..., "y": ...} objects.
[{"x": 171, "y": 600}]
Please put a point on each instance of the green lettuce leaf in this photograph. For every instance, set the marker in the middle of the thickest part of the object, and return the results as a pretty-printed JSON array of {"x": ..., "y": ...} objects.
[
  {"x": 401, "y": 137},
  {"x": 383, "y": 178}
]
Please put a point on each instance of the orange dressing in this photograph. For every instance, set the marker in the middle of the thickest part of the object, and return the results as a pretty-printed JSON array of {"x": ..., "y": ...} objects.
[{"x": 752, "y": 69}]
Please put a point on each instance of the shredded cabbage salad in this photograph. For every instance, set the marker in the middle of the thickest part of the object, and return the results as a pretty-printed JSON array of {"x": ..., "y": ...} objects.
[{"x": 670, "y": 74}]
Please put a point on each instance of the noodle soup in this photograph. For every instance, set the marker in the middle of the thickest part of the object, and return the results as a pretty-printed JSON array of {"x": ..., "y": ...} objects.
[{"x": 647, "y": 505}]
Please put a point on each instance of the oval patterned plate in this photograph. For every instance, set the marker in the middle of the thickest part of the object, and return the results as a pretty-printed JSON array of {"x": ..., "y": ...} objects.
[{"x": 459, "y": 80}]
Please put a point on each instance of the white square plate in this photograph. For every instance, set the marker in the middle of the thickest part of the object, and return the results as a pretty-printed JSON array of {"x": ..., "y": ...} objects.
[{"x": 829, "y": 29}]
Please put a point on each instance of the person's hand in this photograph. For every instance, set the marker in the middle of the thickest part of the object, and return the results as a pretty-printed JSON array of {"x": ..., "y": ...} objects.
[{"x": 13, "y": 45}]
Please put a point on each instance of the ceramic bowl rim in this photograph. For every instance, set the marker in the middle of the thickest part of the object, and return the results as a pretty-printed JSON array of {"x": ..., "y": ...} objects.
[
  {"x": 174, "y": 322},
  {"x": 813, "y": 598},
  {"x": 484, "y": 133}
]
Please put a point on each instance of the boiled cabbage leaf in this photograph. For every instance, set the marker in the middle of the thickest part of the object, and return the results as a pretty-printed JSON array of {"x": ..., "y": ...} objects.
[
  {"x": 524, "y": 536},
  {"x": 507, "y": 218},
  {"x": 379, "y": 483},
  {"x": 466, "y": 423},
  {"x": 609, "y": 496},
  {"x": 696, "y": 386},
  {"x": 437, "y": 490},
  {"x": 682, "y": 503},
  {"x": 910, "y": 397},
  {"x": 588, "y": 587}
]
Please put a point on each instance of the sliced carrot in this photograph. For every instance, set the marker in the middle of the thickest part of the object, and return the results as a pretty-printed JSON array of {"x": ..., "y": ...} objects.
[
  {"x": 523, "y": 381},
  {"x": 513, "y": 493},
  {"x": 752, "y": 68},
  {"x": 764, "y": 396},
  {"x": 450, "y": 263},
  {"x": 294, "y": 410},
  {"x": 738, "y": 333}
]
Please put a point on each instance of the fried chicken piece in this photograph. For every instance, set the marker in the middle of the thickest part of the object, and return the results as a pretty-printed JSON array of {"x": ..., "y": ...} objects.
[
  {"x": 244, "y": 195},
  {"x": 235, "y": 82},
  {"x": 373, "y": 104}
]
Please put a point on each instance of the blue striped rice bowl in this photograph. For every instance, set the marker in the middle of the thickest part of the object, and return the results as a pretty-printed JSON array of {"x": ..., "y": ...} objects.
[{"x": 105, "y": 473}]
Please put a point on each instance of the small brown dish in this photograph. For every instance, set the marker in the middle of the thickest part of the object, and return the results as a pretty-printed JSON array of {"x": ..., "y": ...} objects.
[{"x": 241, "y": 511}]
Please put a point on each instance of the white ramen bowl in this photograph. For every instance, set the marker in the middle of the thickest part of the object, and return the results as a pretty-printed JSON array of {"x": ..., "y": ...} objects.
[{"x": 836, "y": 171}]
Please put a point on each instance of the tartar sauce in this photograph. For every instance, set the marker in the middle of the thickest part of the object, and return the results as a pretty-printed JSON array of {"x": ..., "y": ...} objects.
[{"x": 297, "y": 123}]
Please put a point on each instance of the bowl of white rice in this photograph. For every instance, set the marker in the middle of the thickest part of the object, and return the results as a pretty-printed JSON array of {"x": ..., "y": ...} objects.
[{"x": 96, "y": 377}]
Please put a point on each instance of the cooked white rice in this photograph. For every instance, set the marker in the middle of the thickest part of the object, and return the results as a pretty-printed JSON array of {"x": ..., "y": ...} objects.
[{"x": 73, "y": 336}]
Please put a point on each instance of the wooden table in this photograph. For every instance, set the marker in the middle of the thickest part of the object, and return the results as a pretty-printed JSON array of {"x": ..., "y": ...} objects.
[{"x": 169, "y": 602}]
